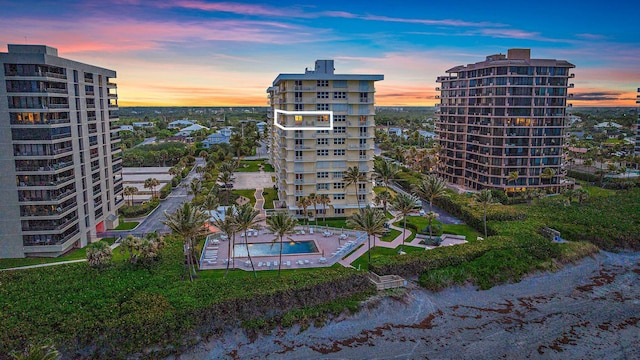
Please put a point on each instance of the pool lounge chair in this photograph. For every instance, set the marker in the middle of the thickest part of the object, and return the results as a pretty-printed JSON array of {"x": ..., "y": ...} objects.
[
  {"x": 268, "y": 264},
  {"x": 288, "y": 263},
  {"x": 307, "y": 261},
  {"x": 260, "y": 264},
  {"x": 275, "y": 263}
]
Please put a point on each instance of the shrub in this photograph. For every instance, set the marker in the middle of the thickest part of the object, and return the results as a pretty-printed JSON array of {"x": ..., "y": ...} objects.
[
  {"x": 99, "y": 254},
  {"x": 139, "y": 210},
  {"x": 165, "y": 191},
  {"x": 583, "y": 176}
]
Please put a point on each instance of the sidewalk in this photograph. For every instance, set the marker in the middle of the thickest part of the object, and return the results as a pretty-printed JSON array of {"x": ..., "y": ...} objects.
[{"x": 112, "y": 246}]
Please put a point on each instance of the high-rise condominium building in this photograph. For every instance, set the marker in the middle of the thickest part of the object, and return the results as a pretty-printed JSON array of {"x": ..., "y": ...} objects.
[
  {"x": 504, "y": 115},
  {"x": 315, "y": 161},
  {"x": 61, "y": 179}
]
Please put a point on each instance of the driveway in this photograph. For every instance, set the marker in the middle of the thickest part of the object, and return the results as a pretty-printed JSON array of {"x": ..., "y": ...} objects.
[{"x": 253, "y": 180}]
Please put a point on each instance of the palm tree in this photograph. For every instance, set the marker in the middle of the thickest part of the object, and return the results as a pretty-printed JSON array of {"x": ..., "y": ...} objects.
[
  {"x": 548, "y": 174},
  {"x": 281, "y": 223},
  {"x": 211, "y": 202},
  {"x": 195, "y": 187},
  {"x": 229, "y": 166},
  {"x": 513, "y": 176},
  {"x": 370, "y": 220},
  {"x": 229, "y": 227},
  {"x": 431, "y": 216},
  {"x": 385, "y": 171},
  {"x": 99, "y": 254},
  {"x": 484, "y": 198},
  {"x": 353, "y": 176},
  {"x": 225, "y": 178},
  {"x": 313, "y": 197},
  {"x": 188, "y": 222},
  {"x": 431, "y": 188},
  {"x": 325, "y": 201},
  {"x": 582, "y": 195},
  {"x": 203, "y": 154},
  {"x": 246, "y": 218},
  {"x": 130, "y": 191},
  {"x": 404, "y": 204},
  {"x": 304, "y": 203},
  {"x": 383, "y": 198}
]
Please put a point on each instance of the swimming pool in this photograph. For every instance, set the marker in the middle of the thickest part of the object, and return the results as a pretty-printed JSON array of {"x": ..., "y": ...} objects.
[{"x": 268, "y": 249}]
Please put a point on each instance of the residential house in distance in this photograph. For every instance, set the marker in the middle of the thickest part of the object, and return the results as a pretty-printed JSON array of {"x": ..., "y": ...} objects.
[
  {"x": 505, "y": 114},
  {"x": 189, "y": 129},
  {"x": 143, "y": 124},
  {"x": 314, "y": 161},
  {"x": 178, "y": 124},
  {"x": 394, "y": 131},
  {"x": 61, "y": 180},
  {"x": 221, "y": 136},
  {"x": 126, "y": 127},
  {"x": 261, "y": 126}
]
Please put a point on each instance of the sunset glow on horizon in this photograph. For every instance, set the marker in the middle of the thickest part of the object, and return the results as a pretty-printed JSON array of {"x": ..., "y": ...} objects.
[{"x": 206, "y": 53}]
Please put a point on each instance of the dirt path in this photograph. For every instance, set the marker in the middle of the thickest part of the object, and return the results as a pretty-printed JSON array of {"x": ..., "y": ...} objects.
[{"x": 588, "y": 310}]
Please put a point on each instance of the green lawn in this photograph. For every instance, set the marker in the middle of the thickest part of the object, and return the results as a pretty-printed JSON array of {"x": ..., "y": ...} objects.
[
  {"x": 269, "y": 196},
  {"x": 254, "y": 166},
  {"x": 127, "y": 225},
  {"x": 455, "y": 229},
  {"x": 330, "y": 222},
  {"x": 250, "y": 194},
  {"x": 391, "y": 235},
  {"x": 362, "y": 262},
  {"x": 379, "y": 189},
  {"x": 76, "y": 254}
]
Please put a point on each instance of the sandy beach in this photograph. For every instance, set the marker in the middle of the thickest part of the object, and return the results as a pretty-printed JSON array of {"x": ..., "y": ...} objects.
[{"x": 589, "y": 310}]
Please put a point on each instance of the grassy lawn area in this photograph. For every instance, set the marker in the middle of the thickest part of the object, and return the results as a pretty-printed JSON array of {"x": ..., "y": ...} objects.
[
  {"x": 254, "y": 166},
  {"x": 379, "y": 189},
  {"x": 391, "y": 235},
  {"x": 362, "y": 262},
  {"x": 335, "y": 222},
  {"x": 249, "y": 194},
  {"x": 455, "y": 229},
  {"x": 76, "y": 254},
  {"x": 269, "y": 196},
  {"x": 127, "y": 225}
]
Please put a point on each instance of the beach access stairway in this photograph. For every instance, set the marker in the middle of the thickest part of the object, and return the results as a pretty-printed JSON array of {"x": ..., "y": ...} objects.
[{"x": 386, "y": 281}]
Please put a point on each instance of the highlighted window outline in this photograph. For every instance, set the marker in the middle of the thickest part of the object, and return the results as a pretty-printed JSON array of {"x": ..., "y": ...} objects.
[{"x": 302, "y": 113}]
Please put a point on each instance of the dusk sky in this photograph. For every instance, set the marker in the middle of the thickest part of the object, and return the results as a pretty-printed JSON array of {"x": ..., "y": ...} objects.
[{"x": 198, "y": 52}]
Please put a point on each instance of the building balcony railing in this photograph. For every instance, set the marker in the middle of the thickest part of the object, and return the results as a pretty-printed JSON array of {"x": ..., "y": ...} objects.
[{"x": 50, "y": 225}]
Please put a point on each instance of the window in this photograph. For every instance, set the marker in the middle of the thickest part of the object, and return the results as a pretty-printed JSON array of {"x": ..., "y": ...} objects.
[
  {"x": 338, "y": 185},
  {"x": 323, "y": 83},
  {"x": 322, "y": 152},
  {"x": 338, "y": 196},
  {"x": 322, "y": 131},
  {"x": 299, "y": 107},
  {"x": 338, "y": 174},
  {"x": 339, "y": 118},
  {"x": 298, "y": 119},
  {"x": 298, "y": 83},
  {"x": 322, "y": 107},
  {"x": 298, "y": 155},
  {"x": 298, "y": 97},
  {"x": 339, "y": 129},
  {"x": 323, "y": 186},
  {"x": 364, "y": 97},
  {"x": 363, "y": 120},
  {"x": 338, "y": 211},
  {"x": 323, "y": 141},
  {"x": 339, "y": 95},
  {"x": 338, "y": 152},
  {"x": 299, "y": 176},
  {"x": 323, "y": 118},
  {"x": 339, "y": 83},
  {"x": 322, "y": 175},
  {"x": 338, "y": 141},
  {"x": 323, "y": 94},
  {"x": 362, "y": 197}
]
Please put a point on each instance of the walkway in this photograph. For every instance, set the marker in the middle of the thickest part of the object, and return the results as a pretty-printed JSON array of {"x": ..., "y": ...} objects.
[
  {"x": 391, "y": 245},
  {"x": 112, "y": 246},
  {"x": 260, "y": 203}
]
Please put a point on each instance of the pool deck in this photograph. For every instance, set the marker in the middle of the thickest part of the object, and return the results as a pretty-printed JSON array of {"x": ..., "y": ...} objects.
[{"x": 333, "y": 244}]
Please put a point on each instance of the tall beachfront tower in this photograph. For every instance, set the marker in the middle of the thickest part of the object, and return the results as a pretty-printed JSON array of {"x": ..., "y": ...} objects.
[
  {"x": 503, "y": 115},
  {"x": 61, "y": 179},
  {"x": 314, "y": 160}
]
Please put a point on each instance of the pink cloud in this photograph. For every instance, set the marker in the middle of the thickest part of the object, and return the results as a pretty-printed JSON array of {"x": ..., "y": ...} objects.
[{"x": 231, "y": 7}]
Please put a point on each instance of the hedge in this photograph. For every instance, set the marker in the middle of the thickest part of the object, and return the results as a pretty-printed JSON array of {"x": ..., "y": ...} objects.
[
  {"x": 165, "y": 191},
  {"x": 583, "y": 176},
  {"x": 139, "y": 210}
]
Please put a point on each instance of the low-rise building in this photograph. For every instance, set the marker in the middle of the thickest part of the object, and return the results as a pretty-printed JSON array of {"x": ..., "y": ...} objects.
[
  {"x": 190, "y": 129},
  {"x": 180, "y": 124}
]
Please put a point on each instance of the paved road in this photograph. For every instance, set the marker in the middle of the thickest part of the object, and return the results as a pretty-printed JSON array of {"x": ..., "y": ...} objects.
[
  {"x": 153, "y": 222},
  {"x": 147, "y": 141}
]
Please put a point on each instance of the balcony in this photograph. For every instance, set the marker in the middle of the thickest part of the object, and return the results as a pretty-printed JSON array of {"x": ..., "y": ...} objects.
[
  {"x": 46, "y": 211},
  {"x": 50, "y": 226},
  {"x": 49, "y": 243}
]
